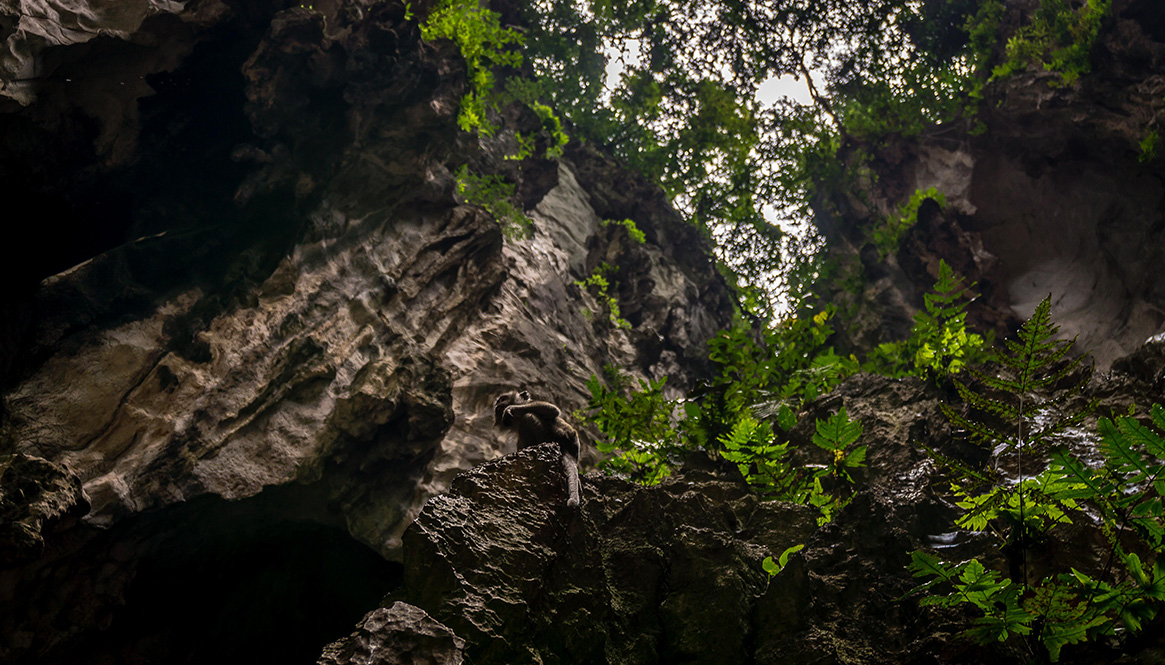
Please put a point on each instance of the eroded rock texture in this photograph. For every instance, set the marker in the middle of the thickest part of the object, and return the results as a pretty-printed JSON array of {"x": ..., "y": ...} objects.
[
  {"x": 673, "y": 573},
  {"x": 35, "y": 496},
  {"x": 635, "y": 575},
  {"x": 269, "y": 310},
  {"x": 1055, "y": 197},
  {"x": 397, "y": 635}
]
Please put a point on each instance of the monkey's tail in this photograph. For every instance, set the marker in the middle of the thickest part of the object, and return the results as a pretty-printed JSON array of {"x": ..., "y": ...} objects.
[{"x": 572, "y": 490}]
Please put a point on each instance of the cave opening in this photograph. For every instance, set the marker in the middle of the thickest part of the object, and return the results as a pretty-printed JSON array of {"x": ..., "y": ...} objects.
[{"x": 214, "y": 581}]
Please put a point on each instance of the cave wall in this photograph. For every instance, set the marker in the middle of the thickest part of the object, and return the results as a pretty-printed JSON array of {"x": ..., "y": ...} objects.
[
  {"x": 255, "y": 300},
  {"x": 1052, "y": 195}
]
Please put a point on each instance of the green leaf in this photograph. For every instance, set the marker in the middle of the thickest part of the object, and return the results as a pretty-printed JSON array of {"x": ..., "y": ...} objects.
[
  {"x": 770, "y": 566},
  {"x": 784, "y": 561},
  {"x": 837, "y": 432}
]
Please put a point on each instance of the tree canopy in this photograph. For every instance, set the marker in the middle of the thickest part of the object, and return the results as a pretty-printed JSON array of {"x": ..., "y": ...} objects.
[{"x": 683, "y": 110}]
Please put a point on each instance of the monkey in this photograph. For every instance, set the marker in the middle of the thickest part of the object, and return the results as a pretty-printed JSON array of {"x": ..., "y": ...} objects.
[{"x": 540, "y": 422}]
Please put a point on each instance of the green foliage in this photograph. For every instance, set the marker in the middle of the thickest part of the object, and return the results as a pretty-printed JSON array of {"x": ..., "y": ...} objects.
[
  {"x": 553, "y": 128},
  {"x": 837, "y": 435},
  {"x": 939, "y": 344},
  {"x": 1022, "y": 404},
  {"x": 764, "y": 465},
  {"x": 1148, "y": 146},
  {"x": 684, "y": 113},
  {"x": 493, "y": 194},
  {"x": 632, "y": 230},
  {"x": 598, "y": 283},
  {"x": 983, "y": 30},
  {"x": 1058, "y": 38},
  {"x": 635, "y": 426},
  {"x": 786, "y": 366},
  {"x": 997, "y": 599},
  {"x": 1073, "y": 606},
  {"x": 1034, "y": 379},
  {"x": 888, "y": 235},
  {"x": 484, "y": 44},
  {"x": 761, "y": 376},
  {"x": 1025, "y": 391},
  {"x": 762, "y": 462},
  {"x": 773, "y": 567}
]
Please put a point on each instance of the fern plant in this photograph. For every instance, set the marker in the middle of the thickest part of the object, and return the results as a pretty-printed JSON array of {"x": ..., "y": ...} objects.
[
  {"x": 1067, "y": 607},
  {"x": 1020, "y": 406},
  {"x": 1127, "y": 492},
  {"x": 763, "y": 462},
  {"x": 939, "y": 344},
  {"x": 1022, "y": 402}
]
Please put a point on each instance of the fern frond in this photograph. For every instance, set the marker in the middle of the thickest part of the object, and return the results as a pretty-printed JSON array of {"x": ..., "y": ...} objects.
[
  {"x": 975, "y": 477},
  {"x": 984, "y": 403},
  {"x": 981, "y": 434},
  {"x": 1055, "y": 357},
  {"x": 1140, "y": 435},
  {"x": 995, "y": 381},
  {"x": 837, "y": 432},
  {"x": 982, "y": 509},
  {"x": 1072, "y": 469},
  {"x": 1066, "y": 620},
  {"x": 1118, "y": 452}
]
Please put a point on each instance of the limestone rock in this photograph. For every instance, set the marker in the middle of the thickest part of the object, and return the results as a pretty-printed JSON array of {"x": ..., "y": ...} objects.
[
  {"x": 1055, "y": 198},
  {"x": 368, "y": 336},
  {"x": 35, "y": 497},
  {"x": 255, "y": 309},
  {"x": 635, "y": 575},
  {"x": 398, "y": 635}
]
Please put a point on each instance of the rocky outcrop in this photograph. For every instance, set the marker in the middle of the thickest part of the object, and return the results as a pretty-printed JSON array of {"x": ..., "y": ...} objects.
[
  {"x": 397, "y": 635},
  {"x": 389, "y": 310},
  {"x": 673, "y": 573},
  {"x": 634, "y": 575},
  {"x": 293, "y": 325},
  {"x": 36, "y": 496},
  {"x": 1056, "y": 197}
]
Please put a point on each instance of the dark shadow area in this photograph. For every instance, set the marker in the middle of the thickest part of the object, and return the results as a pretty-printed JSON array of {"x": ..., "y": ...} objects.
[
  {"x": 274, "y": 592},
  {"x": 270, "y": 579},
  {"x": 166, "y": 220}
]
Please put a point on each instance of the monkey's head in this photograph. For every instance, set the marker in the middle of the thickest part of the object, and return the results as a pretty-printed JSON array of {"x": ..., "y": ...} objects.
[{"x": 508, "y": 399}]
